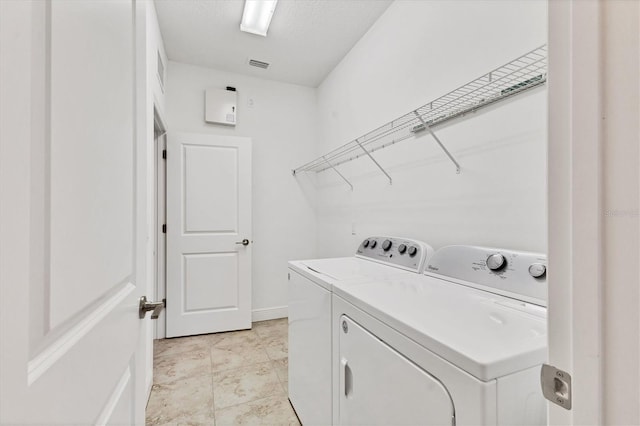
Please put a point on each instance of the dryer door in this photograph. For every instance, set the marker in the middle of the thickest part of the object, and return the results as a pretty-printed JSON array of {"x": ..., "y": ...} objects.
[{"x": 379, "y": 386}]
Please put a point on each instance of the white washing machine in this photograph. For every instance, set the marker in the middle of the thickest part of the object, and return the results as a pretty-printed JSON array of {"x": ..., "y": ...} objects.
[
  {"x": 461, "y": 344},
  {"x": 311, "y": 284}
]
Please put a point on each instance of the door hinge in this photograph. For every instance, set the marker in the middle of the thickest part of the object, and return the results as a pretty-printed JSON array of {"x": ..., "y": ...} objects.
[
  {"x": 556, "y": 386},
  {"x": 164, "y": 228},
  {"x": 165, "y": 302},
  {"x": 289, "y": 275},
  {"x": 164, "y": 154}
]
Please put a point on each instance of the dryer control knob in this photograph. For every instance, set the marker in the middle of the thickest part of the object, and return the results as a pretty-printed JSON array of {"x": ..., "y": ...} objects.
[
  {"x": 386, "y": 246},
  {"x": 373, "y": 244},
  {"x": 537, "y": 270},
  {"x": 495, "y": 262},
  {"x": 413, "y": 250},
  {"x": 365, "y": 244},
  {"x": 402, "y": 248}
]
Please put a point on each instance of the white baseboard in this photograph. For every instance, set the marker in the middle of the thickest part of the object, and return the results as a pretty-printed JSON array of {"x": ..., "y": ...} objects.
[{"x": 264, "y": 314}]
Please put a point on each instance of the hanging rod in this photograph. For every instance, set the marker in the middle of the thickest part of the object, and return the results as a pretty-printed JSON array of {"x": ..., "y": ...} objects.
[{"x": 517, "y": 76}]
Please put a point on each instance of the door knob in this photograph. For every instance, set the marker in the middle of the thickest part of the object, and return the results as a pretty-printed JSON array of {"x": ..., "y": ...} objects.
[
  {"x": 244, "y": 242},
  {"x": 145, "y": 306}
]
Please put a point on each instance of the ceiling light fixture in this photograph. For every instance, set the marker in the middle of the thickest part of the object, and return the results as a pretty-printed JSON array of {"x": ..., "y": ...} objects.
[{"x": 257, "y": 16}]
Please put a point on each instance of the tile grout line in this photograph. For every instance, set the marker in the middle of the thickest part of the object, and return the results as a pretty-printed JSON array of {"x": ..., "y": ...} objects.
[
  {"x": 231, "y": 369},
  {"x": 286, "y": 393},
  {"x": 213, "y": 392},
  {"x": 244, "y": 365},
  {"x": 272, "y": 368},
  {"x": 269, "y": 361},
  {"x": 249, "y": 402}
]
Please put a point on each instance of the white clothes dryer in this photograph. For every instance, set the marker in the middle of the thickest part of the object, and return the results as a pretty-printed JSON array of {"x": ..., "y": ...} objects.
[
  {"x": 462, "y": 344},
  {"x": 311, "y": 284}
]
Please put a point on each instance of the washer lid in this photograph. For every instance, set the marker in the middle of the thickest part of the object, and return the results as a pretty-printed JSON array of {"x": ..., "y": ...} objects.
[
  {"x": 376, "y": 257},
  {"x": 351, "y": 268},
  {"x": 486, "y": 335}
]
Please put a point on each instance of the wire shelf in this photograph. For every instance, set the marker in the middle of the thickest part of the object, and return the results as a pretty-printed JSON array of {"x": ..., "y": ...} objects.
[{"x": 521, "y": 74}]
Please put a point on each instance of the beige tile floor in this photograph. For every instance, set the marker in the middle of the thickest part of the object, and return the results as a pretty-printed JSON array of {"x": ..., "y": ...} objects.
[{"x": 233, "y": 378}]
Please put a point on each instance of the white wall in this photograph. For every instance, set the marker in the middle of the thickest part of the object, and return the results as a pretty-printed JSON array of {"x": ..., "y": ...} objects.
[
  {"x": 281, "y": 123},
  {"x": 414, "y": 53}
]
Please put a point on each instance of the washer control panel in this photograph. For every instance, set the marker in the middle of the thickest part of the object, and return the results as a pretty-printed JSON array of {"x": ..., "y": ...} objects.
[
  {"x": 401, "y": 252},
  {"x": 516, "y": 274}
]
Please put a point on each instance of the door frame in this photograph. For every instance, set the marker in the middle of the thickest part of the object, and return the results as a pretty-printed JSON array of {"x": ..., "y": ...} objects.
[
  {"x": 574, "y": 230},
  {"x": 154, "y": 239},
  {"x": 159, "y": 217},
  {"x": 593, "y": 277}
]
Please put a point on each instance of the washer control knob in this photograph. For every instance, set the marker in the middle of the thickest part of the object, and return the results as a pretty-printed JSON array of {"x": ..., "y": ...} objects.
[
  {"x": 537, "y": 270},
  {"x": 386, "y": 245},
  {"x": 373, "y": 244},
  {"x": 402, "y": 248},
  {"x": 495, "y": 262},
  {"x": 413, "y": 250},
  {"x": 366, "y": 243}
]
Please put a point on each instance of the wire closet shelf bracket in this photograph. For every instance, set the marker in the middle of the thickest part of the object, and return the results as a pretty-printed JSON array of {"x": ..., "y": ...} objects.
[{"x": 517, "y": 76}]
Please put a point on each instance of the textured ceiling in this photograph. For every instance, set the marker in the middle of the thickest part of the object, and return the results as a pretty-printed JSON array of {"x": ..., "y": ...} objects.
[{"x": 306, "y": 39}]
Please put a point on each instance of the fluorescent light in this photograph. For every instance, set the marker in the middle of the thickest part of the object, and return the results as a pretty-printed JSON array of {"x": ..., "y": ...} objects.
[{"x": 257, "y": 16}]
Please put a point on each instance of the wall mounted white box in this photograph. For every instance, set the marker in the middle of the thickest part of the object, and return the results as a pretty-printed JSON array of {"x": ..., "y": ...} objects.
[{"x": 220, "y": 106}]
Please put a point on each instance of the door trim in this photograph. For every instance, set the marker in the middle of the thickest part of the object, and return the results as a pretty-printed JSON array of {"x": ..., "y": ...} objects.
[
  {"x": 575, "y": 314},
  {"x": 159, "y": 218}
]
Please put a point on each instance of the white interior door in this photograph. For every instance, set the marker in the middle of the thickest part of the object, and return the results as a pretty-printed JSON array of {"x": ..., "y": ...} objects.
[
  {"x": 208, "y": 217},
  {"x": 71, "y": 254}
]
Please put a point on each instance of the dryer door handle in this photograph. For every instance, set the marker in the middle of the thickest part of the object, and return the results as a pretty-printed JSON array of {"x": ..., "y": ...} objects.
[{"x": 346, "y": 377}]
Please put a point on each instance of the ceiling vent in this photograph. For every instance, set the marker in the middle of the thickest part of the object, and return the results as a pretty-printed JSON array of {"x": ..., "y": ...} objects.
[{"x": 259, "y": 64}]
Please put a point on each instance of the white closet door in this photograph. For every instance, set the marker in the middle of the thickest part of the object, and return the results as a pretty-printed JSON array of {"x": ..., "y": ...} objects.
[
  {"x": 379, "y": 386},
  {"x": 208, "y": 218}
]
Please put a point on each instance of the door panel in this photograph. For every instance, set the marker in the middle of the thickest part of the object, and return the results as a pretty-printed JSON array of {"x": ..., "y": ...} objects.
[
  {"x": 205, "y": 275},
  {"x": 212, "y": 207},
  {"x": 208, "y": 214},
  {"x": 70, "y": 349},
  {"x": 379, "y": 386},
  {"x": 91, "y": 154}
]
